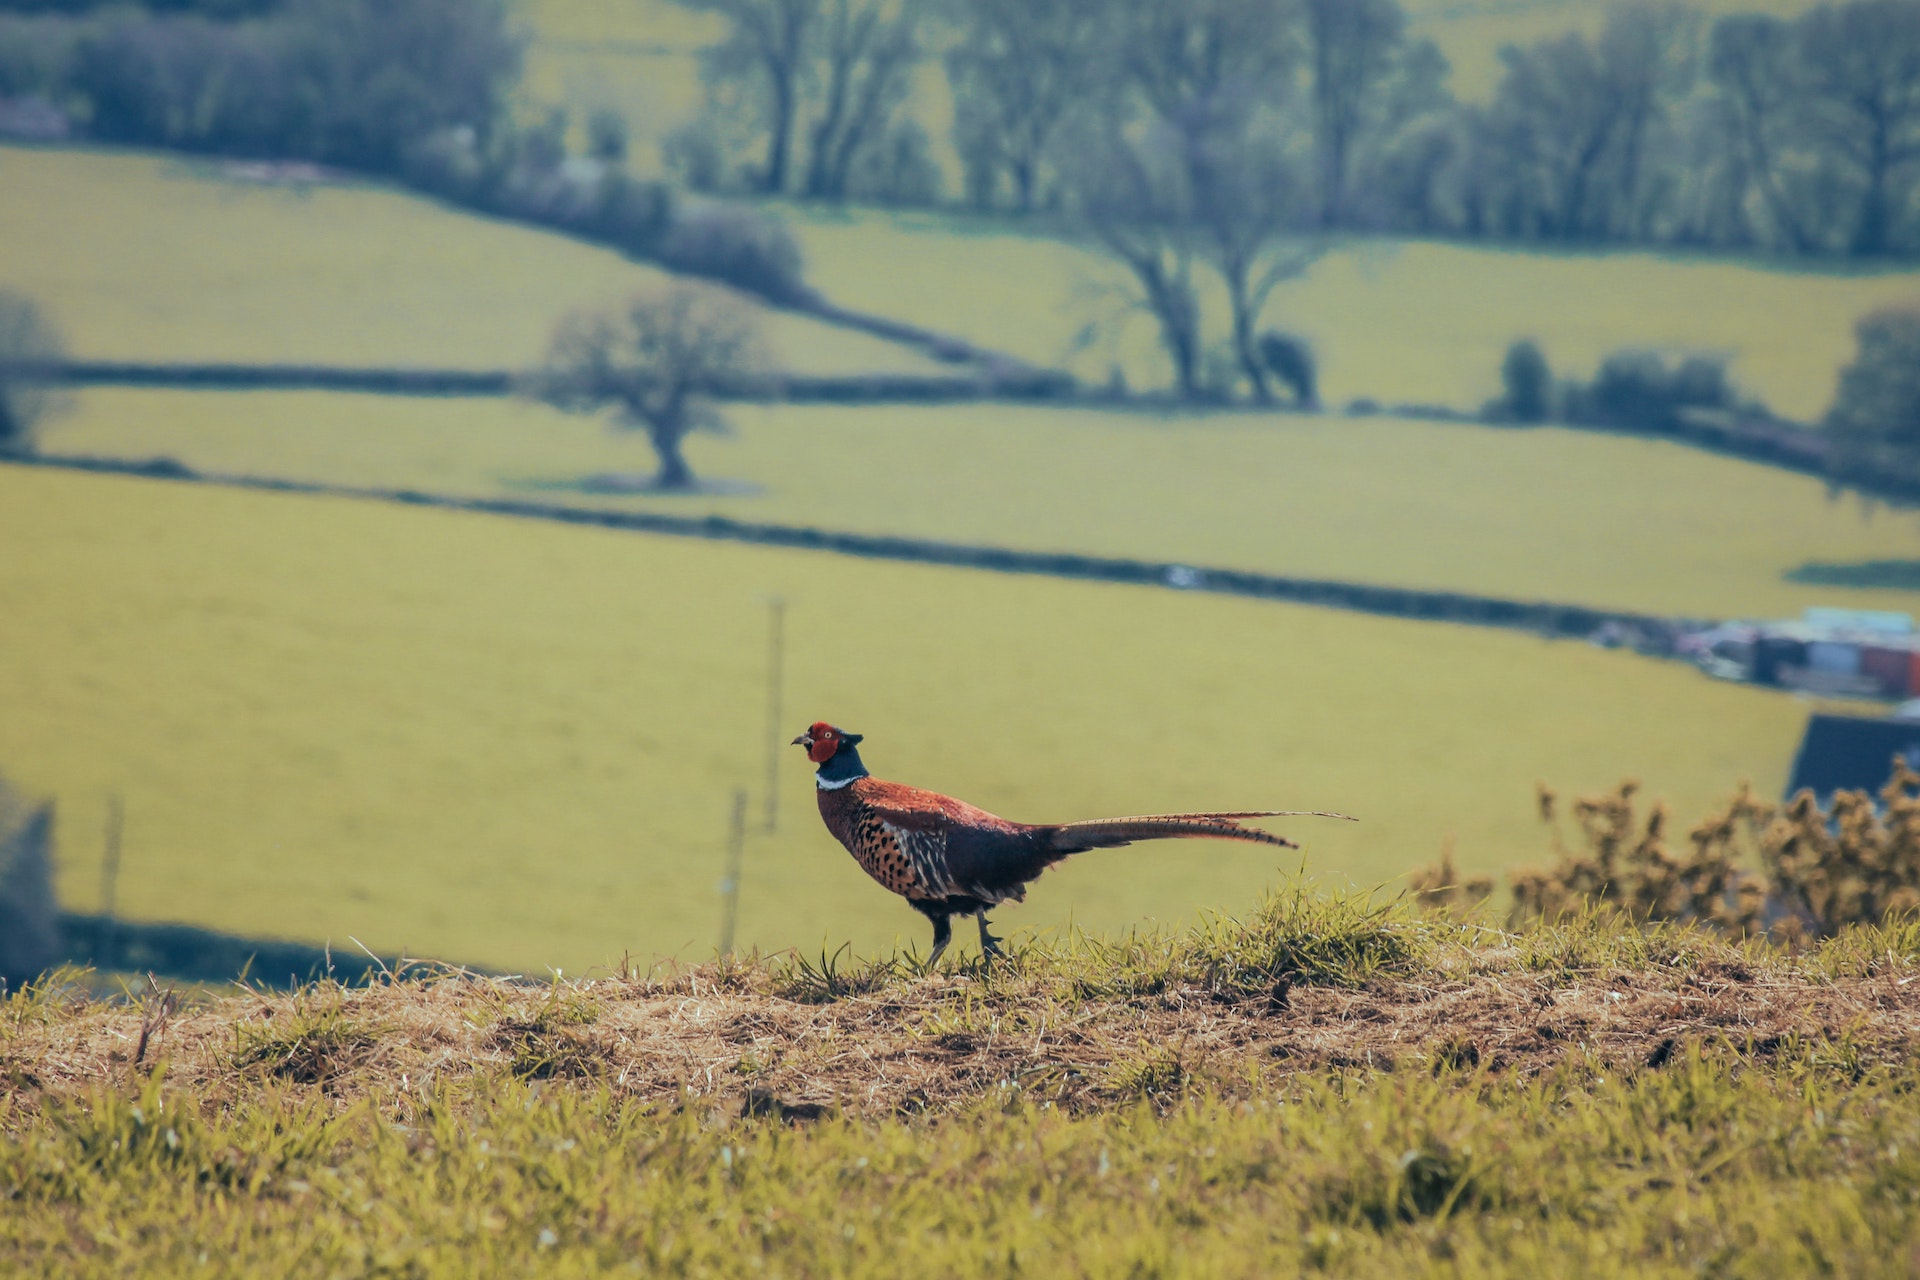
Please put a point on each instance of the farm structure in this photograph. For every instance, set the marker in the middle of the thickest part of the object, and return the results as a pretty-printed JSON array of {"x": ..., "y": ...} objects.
[
  {"x": 1847, "y": 653},
  {"x": 1852, "y": 753}
]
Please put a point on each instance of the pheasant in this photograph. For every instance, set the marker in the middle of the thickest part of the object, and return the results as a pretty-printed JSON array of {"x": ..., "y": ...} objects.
[{"x": 948, "y": 858}]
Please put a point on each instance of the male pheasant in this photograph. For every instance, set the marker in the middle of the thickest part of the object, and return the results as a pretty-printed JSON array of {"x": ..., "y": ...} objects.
[{"x": 948, "y": 858}]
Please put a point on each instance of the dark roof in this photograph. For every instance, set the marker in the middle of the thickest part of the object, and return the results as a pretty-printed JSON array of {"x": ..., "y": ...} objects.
[{"x": 1848, "y": 753}]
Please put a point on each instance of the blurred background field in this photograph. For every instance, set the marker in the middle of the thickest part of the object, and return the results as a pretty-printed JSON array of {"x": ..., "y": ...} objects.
[
  {"x": 515, "y": 744},
  {"x": 1549, "y": 514}
]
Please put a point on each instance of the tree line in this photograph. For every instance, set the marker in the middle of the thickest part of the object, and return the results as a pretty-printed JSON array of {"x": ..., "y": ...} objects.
[
  {"x": 355, "y": 83},
  {"x": 1750, "y": 132}
]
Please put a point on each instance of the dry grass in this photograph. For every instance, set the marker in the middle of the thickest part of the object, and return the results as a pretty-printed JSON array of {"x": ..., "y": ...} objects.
[
  {"x": 1410, "y": 1098},
  {"x": 1080, "y": 1025}
]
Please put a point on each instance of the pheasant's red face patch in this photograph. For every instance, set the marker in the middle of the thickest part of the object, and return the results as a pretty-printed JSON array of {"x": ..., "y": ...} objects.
[{"x": 826, "y": 741}]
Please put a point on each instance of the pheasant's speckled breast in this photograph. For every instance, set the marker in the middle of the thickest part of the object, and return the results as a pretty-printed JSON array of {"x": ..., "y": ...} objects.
[{"x": 903, "y": 837}]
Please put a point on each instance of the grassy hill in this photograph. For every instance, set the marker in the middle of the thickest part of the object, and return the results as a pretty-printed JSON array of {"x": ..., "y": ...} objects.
[
  {"x": 1547, "y": 514},
  {"x": 143, "y": 257},
  {"x": 516, "y": 743},
  {"x": 1580, "y": 1101}
]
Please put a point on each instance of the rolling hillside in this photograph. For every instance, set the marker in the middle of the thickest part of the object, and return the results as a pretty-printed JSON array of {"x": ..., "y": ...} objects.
[
  {"x": 146, "y": 257},
  {"x": 516, "y": 743}
]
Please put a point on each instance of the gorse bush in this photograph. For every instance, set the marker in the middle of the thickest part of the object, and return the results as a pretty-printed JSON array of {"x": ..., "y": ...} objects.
[{"x": 1791, "y": 871}]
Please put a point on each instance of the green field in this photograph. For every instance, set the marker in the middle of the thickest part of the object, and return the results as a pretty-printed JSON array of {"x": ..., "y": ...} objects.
[
  {"x": 1546, "y": 514},
  {"x": 143, "y": 257},
  {"x": 1394, "y": 321},
  {"x": 516, "y": 743}
]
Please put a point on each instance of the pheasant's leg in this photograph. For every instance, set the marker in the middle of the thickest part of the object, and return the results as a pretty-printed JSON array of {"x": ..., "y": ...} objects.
[
  {"x": 989, "y": 945},
  {"x": 942, "y": 935}
]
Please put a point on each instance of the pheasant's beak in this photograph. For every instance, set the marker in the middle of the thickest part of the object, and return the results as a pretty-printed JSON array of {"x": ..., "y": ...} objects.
[{"x": 804, "y": 740}]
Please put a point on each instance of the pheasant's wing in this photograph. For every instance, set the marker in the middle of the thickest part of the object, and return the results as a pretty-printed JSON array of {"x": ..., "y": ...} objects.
[{"x": 954, "y": 847}]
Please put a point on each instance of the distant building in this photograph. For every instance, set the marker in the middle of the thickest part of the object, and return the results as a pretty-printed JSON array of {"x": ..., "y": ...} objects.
[
  {"x": 1852, "y": 753},
  {"x": 1843, "y": 653}
]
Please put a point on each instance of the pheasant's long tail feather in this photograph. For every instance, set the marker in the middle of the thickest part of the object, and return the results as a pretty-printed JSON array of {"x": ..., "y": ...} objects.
[{"x": 1111, "y": 833}]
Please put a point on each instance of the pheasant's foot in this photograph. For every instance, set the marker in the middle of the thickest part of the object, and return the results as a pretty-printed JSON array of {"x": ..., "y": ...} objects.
[{"x": 989, "y": 944}]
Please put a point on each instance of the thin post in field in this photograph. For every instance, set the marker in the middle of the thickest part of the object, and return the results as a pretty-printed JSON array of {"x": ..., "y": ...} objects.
[
  {"x": 730, "y": 881},
  {"x": 776, "y": 663},
  {"x": 107, "y": 943}
]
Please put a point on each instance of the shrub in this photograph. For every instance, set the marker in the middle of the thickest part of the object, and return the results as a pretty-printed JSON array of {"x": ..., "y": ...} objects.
[
  {"x": 27, "y": 339},
  {"x": 1527, "y": 383},
  {"x": 1820, "y": 869},
  {"x": 1875, "y": 419},
  {"x": 1291, "y": 360},
  {"x": 607, "y": 137},
  {"x": 1638, "y": 391},
  {"x": 739, "y": 247}
]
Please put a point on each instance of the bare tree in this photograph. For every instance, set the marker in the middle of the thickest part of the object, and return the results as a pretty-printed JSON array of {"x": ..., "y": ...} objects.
[
  {"x": 1862, "y": 64},
  {"x": 831, "y": 73},
  {"x": 1133, "y": 197},
  {"x": 1246, "y": 207},
  {"x": 1190, "y": 167},
  {"x": 769, "y": 47},
  {"x": 1752, "y": 62},
  {"x": 868, "y": 50},
  {"x": 657, "y": 362},
  {"x": 1351, "y": 50},
  {"x": 28, "y": 345},
  {"x": 1020, "y": 74},
  {"x": 1574, "y": 119}
]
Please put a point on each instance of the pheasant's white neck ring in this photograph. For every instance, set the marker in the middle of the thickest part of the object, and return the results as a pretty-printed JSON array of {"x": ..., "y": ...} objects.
[{"x": 841, "y": 769}]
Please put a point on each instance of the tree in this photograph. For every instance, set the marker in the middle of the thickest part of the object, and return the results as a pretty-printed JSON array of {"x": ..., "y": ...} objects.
[
  {"x": 1574, "y": 121},
  {"x": 1874, "y": 423},
  {"x": 1752, "y": 62},
  {"x": 770, "y": 46},
  {"x": 1527, "y": 382},
  {"x": 831, "y": 72},
  {"x": 28, "y": 343},
  {"x": 1021, "y": 73},
  {"x": 1133, "y": 198},
  {"x": 867, "y": 54},
  {"x": 1862, "y": 67},
  {"x": 1190, "y": 166},
  {"x": 657, "y": 362},
  {"x": 1351, "y": 47}
]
